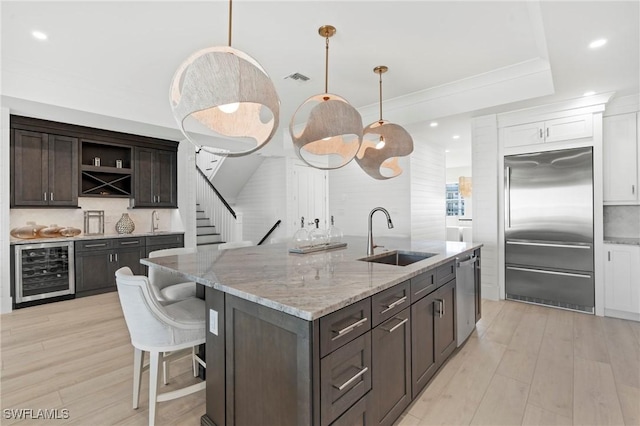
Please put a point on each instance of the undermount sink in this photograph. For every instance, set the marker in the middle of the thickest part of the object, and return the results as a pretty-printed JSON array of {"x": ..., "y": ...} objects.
[{"x": 398, "y": 258}]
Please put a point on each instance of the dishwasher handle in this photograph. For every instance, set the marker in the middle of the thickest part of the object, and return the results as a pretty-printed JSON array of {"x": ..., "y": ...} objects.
[{"x": 473, "y": 259}]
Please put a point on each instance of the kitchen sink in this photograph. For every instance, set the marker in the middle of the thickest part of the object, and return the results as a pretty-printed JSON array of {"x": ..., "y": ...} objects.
[{"x": 398, "y": 258}]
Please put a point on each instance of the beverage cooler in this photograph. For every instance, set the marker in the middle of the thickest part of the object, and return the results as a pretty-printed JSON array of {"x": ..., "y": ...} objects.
[{"x": 43, "y": 270}]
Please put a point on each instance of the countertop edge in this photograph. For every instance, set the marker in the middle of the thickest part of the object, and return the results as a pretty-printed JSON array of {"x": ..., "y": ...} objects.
[
  {"x": 84, "y": 237},
  {"x": 308, "y": 315},
  {"x": 621, "y": 240}
]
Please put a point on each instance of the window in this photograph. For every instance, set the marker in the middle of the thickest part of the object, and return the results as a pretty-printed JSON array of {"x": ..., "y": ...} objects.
[{"x": 455, "y": 202}]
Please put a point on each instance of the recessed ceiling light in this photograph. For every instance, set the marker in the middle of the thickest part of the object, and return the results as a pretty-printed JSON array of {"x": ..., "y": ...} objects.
[
  {"x": 433, "y": 124},
  {"x": 597, "y": 43},
  {"x": 447, "y": 150},
  {"x": 39, "y": 35},
  {"x": 456, "y": 136},
  {"x": 589, "y": 93}
]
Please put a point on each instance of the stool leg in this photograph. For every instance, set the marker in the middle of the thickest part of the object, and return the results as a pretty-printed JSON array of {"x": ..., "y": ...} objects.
[
  {"x": 154, "y": 372},
  {"x": 138, "y": 360},
  {"x": 193, "y": 361},
  {"x": 165, "y": 372}
]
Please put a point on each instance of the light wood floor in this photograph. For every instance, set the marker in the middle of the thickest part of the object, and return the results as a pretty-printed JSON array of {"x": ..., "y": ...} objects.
[{"x": 523, "y": 365}]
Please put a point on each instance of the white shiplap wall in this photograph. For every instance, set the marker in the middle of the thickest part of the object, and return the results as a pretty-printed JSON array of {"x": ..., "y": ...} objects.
[
  {"x": 353, "y": 194},
  {"x": 5, "y": 280},
  {"x": 262, "y": 200},
  {"x": 428, "y": 189},
  {"x": 484, "y": 137}
]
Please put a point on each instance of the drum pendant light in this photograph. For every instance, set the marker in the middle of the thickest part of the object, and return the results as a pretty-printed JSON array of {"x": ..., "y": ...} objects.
[
  {"x": 332, "y": 133},
  {"x": 383, "y": 143},
  {"x": 225, "y": 93}
]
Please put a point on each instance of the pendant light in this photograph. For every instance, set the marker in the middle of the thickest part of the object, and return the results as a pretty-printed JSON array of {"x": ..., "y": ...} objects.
[
  {"x": 383, "y": 143},
  {"x": 223, "y": 92},
  {"x": 332, "y": 133}
]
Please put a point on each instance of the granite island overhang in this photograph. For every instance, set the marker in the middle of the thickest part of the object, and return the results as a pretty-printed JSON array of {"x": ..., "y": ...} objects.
[{"x": 307, "y": 286}]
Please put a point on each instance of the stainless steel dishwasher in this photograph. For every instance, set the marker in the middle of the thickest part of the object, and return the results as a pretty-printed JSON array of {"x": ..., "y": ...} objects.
[{"x": 465, "y": 297}]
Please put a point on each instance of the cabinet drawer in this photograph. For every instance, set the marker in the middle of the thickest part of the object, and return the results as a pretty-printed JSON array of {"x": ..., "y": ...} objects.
[
  {"x": 345, "y": 377},
  {"x": 128, "y": 242},
  {"x": 389, "y": 302},
  {"x": 165, "y": 240},
  {"x": 358, "y": 415},
  {"x": 94, "y": 245},
  {"x": 343, "y": 326},
  {"x": 445, "y": 273},
  {"x": 422, "y": 285}
]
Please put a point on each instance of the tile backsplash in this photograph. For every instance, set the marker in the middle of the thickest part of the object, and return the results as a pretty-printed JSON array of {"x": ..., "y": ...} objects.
[
  {"x": 169, "y": 219},
  {"x": 622, "y": 221}
]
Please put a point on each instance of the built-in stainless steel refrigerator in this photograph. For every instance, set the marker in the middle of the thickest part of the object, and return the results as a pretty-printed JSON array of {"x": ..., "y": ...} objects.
[{"x": 549, "y": 228}]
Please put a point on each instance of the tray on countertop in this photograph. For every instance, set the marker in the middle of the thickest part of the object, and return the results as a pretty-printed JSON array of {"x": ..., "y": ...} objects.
[{"x": 313, "y": 249}]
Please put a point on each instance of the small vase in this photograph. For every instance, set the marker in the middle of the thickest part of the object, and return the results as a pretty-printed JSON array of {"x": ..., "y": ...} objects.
[{"x": 125, "y": 225}]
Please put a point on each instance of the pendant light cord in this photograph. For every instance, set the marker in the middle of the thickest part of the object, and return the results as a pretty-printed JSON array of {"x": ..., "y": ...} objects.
[
  {"x": 380, "y": 97},
  {"x": 326, "y": 67},
  {"x": 230, "y": 15}
]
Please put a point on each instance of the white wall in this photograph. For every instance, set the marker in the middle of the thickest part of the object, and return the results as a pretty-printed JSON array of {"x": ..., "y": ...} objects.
[
  {"x": 484, "y": 145},
  {"x": 262, "y": 201},
  {"x": 427, "y": 190},
  {"x": 453, "y": 173},
  {"x": 187, "y": 191},
  {"x": 353, "y": 194},
  {"x": 113, "y": 209},
  {"x": 5, "y": 279}
]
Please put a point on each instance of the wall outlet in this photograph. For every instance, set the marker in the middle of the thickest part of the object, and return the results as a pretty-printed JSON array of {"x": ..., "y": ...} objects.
[{"x": 213, "y": 322}]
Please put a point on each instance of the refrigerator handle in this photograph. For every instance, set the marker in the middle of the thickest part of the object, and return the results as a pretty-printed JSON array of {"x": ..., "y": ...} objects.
[{"x": 507, "y": 196}]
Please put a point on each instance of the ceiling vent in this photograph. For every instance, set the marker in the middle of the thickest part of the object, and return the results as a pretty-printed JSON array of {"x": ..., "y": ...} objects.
[{"x": 297, "y": 77}]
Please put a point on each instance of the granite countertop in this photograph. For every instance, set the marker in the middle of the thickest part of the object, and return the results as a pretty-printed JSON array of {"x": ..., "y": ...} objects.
[
  {"x": 621, "y": 240},
  {"x": 311, "y": 285},
  {"x": 14, "y": 241}
]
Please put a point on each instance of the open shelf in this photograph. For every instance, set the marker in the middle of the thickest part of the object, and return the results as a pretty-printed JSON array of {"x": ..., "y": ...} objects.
[{"x": 106, "y": 180}]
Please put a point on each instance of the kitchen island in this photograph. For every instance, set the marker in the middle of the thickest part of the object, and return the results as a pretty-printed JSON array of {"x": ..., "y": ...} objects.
[{"x": 323, "y": 338}]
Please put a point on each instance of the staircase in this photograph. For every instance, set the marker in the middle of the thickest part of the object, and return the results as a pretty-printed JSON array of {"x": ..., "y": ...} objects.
[{"x": 206, "y": 235}]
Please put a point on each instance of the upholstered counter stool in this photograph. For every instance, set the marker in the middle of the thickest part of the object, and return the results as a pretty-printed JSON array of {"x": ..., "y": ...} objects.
[
  {"x": 158, "y": 329},
  {"x": 167, "y": 287}
]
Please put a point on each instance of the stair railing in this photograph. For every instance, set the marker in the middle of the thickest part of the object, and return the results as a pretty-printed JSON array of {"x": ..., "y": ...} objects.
[
  {"x": 216, "y": 208},
  {"x": 270, "y": 231}
]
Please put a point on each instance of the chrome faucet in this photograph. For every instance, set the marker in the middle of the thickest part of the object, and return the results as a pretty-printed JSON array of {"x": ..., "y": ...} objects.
[
  {"x": 154, "y": 221},
  {"x": 370, "y": 245}
]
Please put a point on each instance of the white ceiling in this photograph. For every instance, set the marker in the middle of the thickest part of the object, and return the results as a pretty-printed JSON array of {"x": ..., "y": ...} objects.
[{"x": 116, "y": 59}]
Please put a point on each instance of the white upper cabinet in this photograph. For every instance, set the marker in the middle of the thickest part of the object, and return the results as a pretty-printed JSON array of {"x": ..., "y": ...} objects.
[
  {"x": 620, "y": 157},
  {"x": 559, "y": 129}
]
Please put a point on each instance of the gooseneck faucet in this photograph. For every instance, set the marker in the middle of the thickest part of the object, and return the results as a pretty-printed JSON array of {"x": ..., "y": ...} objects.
[
  {"x": 370, "y": 245},
  {"x": 154, "y": 221}
]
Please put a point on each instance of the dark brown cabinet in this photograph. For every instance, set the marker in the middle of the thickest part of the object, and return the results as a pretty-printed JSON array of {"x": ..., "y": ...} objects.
[
  {"x": 445, "y": 321},
  {"x": 423, "y": 353},
  {"x": 98, "y": 260},
  {"x": 391, "y": 353},
  {"x": 155, "y": 178},
  {"x": 43, "y": 170},
  {"x": 433, "y": 333},
  {"x": 52, "y": 164}
]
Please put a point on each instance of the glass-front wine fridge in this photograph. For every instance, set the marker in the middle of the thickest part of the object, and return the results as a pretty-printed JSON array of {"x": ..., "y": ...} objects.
[{"x": 44, "y": 270}]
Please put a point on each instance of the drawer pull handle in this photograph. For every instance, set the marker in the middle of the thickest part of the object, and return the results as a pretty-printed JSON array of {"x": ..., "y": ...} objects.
[
  {"x": 423, "y": 289},
  {"x": 95, "y": 245},
  {"x": 353, "y": 379},
  {"x": 126, "y": 243},
  {"x": 440, "y": 307},
  {"x": 395, "y": 327},
  {"x": 349, "y": 328},
  {"x": 394, "y": 304}
]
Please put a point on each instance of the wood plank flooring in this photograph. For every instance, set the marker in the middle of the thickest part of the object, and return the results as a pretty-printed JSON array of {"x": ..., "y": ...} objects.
[{"x": 524, "y": 364}]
